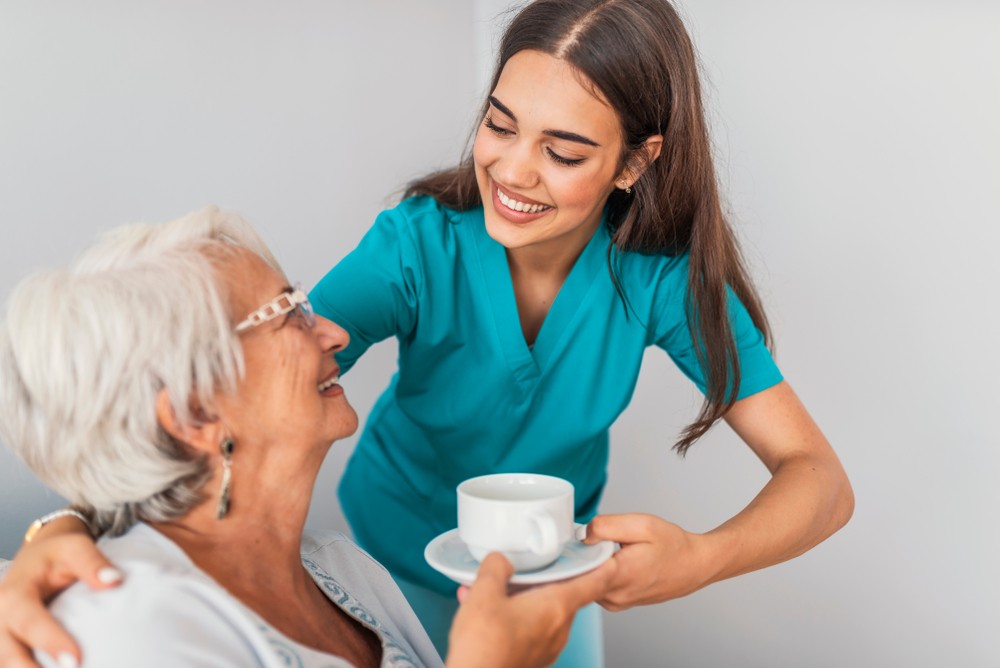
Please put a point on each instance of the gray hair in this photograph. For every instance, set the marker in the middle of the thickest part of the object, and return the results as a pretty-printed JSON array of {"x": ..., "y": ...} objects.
[{"x": 84, "y": 352}]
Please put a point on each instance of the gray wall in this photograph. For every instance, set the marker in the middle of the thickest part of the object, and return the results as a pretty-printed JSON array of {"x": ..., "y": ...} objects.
[
  {"x": 306, "y": 117},
  {"x": 858, "y": 150}
]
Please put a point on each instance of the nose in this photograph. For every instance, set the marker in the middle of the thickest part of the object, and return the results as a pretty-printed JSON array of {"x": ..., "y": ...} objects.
[
  {"x": 331, "y": 336},
  {"x": 516, "y": 165}
]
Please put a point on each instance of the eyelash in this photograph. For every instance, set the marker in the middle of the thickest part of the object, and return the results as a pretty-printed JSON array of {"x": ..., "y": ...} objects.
[
  {"x": 503, "y": 132},
  {"x": 496, "y": 129},
  {"x": 561, "y": 160}
]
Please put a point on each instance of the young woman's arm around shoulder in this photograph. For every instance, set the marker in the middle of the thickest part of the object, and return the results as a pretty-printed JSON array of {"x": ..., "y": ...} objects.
[{"x": 807, "y": 499}]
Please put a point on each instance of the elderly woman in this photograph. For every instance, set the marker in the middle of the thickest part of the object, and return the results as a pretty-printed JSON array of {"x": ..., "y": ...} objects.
[{"x": 176, "y": 386}]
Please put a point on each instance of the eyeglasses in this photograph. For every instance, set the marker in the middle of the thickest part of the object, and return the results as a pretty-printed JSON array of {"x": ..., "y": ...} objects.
[{"x": 280, "y": 305}]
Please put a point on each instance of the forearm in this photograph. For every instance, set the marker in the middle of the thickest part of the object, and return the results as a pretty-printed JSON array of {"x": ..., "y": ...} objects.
[{"x": 807, "y": 499}]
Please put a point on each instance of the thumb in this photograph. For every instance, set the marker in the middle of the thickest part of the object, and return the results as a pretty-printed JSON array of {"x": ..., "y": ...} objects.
[
  {"x": 623, "y": 528},
  {"x": 493, "y": 576}
]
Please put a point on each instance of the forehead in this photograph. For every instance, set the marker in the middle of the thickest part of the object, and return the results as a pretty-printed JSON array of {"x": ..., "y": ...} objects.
[
  {"x": 249, "y": 280},
  {"x": 549, "y": 91}
]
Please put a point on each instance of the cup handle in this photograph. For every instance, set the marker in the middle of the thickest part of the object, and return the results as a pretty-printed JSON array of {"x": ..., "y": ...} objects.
[{"x": 545, "y": 539}]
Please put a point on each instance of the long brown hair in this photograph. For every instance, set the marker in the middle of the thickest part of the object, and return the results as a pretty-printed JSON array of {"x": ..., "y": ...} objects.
[{"x": 639, "y": 57}]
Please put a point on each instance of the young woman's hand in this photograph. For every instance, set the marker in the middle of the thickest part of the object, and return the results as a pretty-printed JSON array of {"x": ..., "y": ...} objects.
[
  {"x": 62, "y": 553},
  {"x": 495, "y": 629},
  {"x": 658, "y": 560}
]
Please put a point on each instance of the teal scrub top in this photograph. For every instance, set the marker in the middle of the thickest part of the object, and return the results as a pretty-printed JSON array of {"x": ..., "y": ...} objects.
[{"x": 470, "y": 397}]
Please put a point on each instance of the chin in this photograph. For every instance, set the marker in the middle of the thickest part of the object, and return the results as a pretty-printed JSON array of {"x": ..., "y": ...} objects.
[
  {"x": 343, "y": 424},
  {"x": 349, "y": 426},
  {"x": 506, "y": 233}
]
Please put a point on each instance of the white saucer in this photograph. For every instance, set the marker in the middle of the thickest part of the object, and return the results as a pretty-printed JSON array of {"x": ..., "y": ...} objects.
[{"x": 448, "y": 555}]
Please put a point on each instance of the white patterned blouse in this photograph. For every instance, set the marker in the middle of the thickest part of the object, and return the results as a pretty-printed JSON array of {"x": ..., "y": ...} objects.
[{"x": 169, "y": 613}]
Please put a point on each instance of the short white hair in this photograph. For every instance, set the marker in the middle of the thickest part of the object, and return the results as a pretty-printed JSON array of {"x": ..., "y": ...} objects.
[{"x": 84, "y": 352}]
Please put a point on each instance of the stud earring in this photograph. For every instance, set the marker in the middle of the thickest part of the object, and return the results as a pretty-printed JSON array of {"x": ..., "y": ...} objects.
[
  {"x": 625, "y": 186},
  {"x": 226, "y": 448}
]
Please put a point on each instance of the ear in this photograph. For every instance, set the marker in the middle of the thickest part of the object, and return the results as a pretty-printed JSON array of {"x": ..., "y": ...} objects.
[
  {"x": 640, "y": 160},
  {"x": 203, "y": 436}
]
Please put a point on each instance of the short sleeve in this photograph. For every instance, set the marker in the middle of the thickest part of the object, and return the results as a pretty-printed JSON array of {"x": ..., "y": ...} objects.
[
  {"x": 758, "y": 370},
  {"x": 373, "y": 292}
]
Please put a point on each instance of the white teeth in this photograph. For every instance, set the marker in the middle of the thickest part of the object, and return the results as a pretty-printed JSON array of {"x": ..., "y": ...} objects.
[
  {"x": 514, "y": 205},
  {"x": 327, "y": 384}
]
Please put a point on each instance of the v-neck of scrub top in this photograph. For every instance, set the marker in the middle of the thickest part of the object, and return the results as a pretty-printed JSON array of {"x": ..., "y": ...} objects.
[{"x": 528, "y": 363}]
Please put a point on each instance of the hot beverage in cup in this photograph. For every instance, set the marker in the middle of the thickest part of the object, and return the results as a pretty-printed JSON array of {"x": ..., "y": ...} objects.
[{"x": 526, "y": 516}]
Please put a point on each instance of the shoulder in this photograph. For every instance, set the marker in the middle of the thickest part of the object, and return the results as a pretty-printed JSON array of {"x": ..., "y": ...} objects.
[
  {"x": 421, "y": 211},
  {"x": 422, "y": 217},
  {"x": 658, "y": 279},
  {"x": 166, "y": 612},
  {"x": 655, "y": 264}
]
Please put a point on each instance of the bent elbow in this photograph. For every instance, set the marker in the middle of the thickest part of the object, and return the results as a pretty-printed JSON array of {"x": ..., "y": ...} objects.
[{"x": 844, "y": 503}]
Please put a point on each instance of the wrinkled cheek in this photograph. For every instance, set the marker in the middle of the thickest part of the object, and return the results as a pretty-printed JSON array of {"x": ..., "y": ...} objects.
[{"x": 289, "y": 375}]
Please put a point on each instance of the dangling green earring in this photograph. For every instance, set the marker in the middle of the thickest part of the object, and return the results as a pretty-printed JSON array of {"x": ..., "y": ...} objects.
[{"x": 226, "y": 448}]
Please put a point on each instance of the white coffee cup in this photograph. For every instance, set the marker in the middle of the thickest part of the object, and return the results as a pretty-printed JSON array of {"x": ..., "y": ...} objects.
[{"x": 526, "y": 516}]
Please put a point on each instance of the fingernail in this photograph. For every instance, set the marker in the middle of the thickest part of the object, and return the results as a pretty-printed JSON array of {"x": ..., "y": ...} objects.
[
  {"x": 108, "y": 575},
  {"x": 66, "y": 660},
  {"x": 581, "y": 532}
]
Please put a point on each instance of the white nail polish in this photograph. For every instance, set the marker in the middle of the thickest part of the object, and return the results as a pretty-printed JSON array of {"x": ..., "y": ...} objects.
[
  {"x": 66, "y": 660},
  {"x": 581, "y": 532},
  {"x": 108, "y": 575}
]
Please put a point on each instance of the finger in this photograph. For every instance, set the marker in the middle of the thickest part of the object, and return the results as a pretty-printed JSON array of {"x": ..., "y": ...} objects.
[
  {"x": 35, "y": 627},
  {"x": 494, "y": 573},
  {"x": 624, "y": 528},
  {"x": 15, "y": 655},
  {"x": 587, "y": 588},
  {"x": 462, "y": 594},
  {"x": 89, "y": 565}
]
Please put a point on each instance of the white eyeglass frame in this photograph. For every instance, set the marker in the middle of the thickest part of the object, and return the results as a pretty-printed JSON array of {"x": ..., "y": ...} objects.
[{"x": 280, "y": 305}]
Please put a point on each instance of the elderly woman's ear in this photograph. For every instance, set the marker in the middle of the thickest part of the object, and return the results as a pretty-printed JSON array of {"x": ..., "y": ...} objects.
[{"x": 202, "y": 434}]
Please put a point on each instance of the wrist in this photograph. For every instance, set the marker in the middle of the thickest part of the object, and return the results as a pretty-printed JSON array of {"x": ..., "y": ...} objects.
[
  {"x": 714, "y": 555},
  {"x": 65, "y": 520}
]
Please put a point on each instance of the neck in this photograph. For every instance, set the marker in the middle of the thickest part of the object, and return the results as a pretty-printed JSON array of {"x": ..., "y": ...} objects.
[
  {"x": 552, "y": 259},
  {"x": 259, "y": 538}
]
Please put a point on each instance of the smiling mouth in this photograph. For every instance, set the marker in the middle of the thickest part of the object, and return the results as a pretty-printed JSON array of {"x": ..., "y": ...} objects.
[
  {"x": 328, "y": 383},
  {"x": 519, "y": 206}
]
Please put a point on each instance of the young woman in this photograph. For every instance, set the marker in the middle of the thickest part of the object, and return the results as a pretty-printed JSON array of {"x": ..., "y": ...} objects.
[{"x": 525, "y": 284}]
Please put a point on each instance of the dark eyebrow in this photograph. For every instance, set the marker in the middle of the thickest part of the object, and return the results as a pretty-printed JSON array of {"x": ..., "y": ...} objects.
[
  {"x": 502, "y": 107},
  {"x": 558, "y": 134}
]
